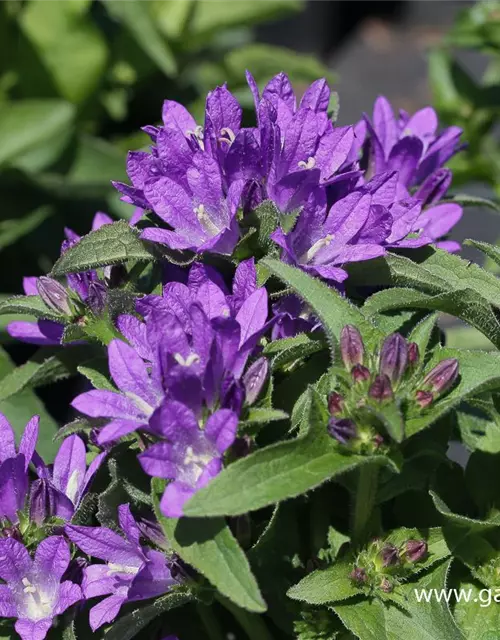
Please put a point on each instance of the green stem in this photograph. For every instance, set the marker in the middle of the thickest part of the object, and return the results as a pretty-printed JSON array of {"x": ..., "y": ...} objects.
[
  {"x": 364, "y": 501},
  {"x": 253, "y": 624},
  {"x": 212, "y": 626}
]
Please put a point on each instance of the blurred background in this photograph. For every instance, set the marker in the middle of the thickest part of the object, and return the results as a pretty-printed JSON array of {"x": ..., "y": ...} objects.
[{"x": 78, "y": 78}]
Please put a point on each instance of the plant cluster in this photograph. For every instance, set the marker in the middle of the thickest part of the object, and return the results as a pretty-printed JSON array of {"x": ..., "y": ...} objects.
[{"x": 266, "y": 403}]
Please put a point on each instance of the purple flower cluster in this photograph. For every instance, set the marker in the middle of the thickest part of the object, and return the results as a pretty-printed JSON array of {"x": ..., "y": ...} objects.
[
  {"x": 183, "y": 379},
  {"x": 357, "y": 190}
]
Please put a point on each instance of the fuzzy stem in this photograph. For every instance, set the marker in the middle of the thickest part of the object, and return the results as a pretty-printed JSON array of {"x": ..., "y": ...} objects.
[
  {"x": 252, "y": 623},
  {"x": 364, "y": 500},
  {"x": 210, "y": 622}
]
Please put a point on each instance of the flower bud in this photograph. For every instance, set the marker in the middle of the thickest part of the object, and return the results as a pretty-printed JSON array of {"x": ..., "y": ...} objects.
[
  {"x": 413, "y": 354},
  {"x": 389, "y": 555},
  {"x": 342, "y": 429},
  {"x": 42, "y": 502},
  {"x": 381, "y": 389},
  {"x": 254, "y": 379},
  {"x": 232, "y": 394},
  {"x": 416, "y": 550},
  {"x": 97, "y": 297},
  {"x": 335, "y": 403},
  {"x": 360, "y": 373},
  {"x": 394, "y": 357},
  {"x": 11, "y": 532},
  {"x": 424, "y": 398},
  {"x": 442, "y": 377},
  {"x": 434, "y": 187},
  {"x": 358, "y": 575},
  {"x": 351, "y": 346},
  {"x": 386, "y": 585},
  {"x": 54, "y": 295}
]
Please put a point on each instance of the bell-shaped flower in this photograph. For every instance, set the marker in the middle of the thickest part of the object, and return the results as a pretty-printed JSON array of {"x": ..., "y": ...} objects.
[{"x": 33, "y": 592}]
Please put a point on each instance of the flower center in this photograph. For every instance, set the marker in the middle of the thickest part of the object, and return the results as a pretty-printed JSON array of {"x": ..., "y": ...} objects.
[
  {"x": 186, "y": 362},
  {"x": 319, "y": 244},
  {"x": 310, "y": 164},
  {"x": 195, "y": 463},
  {"x": 36, "y": 603},
  {"x": 205, "y": 220}
]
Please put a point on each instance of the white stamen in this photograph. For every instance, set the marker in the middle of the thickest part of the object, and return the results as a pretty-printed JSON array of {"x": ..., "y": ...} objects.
[
  {"x": 310, "y": 164},
  {"x": 186, "y": 362},
  {"x": 28, "y": 587},
  {"x": 205, "y": 220},
  {"x": 198, "y": 134},
  {"x": 140, "y": 403},
  {"x": 319, "y": 244},
  {"x": 230, "y": 136}
]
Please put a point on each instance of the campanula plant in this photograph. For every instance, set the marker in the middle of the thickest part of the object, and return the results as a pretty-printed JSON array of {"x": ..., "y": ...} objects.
[{"x": 261, "y": 440}]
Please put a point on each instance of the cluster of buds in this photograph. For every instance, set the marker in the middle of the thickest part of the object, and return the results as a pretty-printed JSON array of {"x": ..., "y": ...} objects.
[
  {"x": 383, "y": 564},
  {"x": 371, "y": 381}
]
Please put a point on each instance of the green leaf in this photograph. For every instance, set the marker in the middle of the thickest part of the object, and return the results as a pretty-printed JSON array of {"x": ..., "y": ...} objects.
[
  {"x": 210, "y": 547},
  {"x": 329, "y": 585},
  {"x": 280, "y": 471},
  {"x": 137, "y": 19},
  {"x": 111, "y": 244},
  {"x": 467, "y": 200},
  {"x": 470, "y": 525},
  {"x": 477, "y": 616},
  {"x": 21, "y": 407},
  {"x": 268, "y": 215},
  {"x": 375, "y": 620},
  {"x": 28, "y": 305},
  {"x": 466, "y": 304},
  {"x": 479, "y": 426},
  {"x": 391, "y": 417},
  {"x": 127, "y": 626},
  {"x": 70, "y": 46},
  {"x": 421, "y": 334},
  {"x": 26, "y": 124},
  {"x": 13, "y": 229},
  {"x": 332, "y": 309},
  {"x": 212, "y": 19},
  {"x": 33, "y": 374},
  {"x": 479, "y": 371},
  {"x": 491, "y": 250},
  {"x": 97, "y": 377},
  {"x": 263, "y": 415}
]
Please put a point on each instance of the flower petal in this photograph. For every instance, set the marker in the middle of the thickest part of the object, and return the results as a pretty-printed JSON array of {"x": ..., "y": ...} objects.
[
  {"x": 31, "y": 630},
  {"x": 102, "y": 543},
  {"x": 129, "y": 372},
  {"x": 15, "y": 562},
  {"x": 106, "y": 404},
  {"x": 29, "y": 439},
  {"x": 7, "y": 439},
  {"x": 70, "y": 466},
  {"x": 106, "y": 611}
]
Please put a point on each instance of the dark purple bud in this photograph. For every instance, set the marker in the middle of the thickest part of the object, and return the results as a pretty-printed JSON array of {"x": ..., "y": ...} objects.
[
  {"x": 360, "y": 373},
  {"x": 358, "y": 575},
  {"x": 394, "y": 357},
  {"x": 386, "y": 585},
  {"x": 378, "y": 440},
  {"x": 342, "y": 429},
  {"x": 232, "y": 394},
  {"x": 351, "y": 346},
  {"x": 151, "y": 530},
  {"x": 424, "y": 398},
  {"x": 255, "y": 378},
  {"x": 42, "y": 502},
  {"x": 335, "y": 403},
  {"x": 413, "y": 354},
  {"x": 389, "y": 555},
  {"x": 54, "y": 295},
  {"x": 381, "y": 389},
  {"x": 416, "y": 550},
  {"x": 442, "y": 377},
  {"x": 97, "y": 297}
]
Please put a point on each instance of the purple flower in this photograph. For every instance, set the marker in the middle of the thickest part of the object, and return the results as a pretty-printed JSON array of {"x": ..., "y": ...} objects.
[
  {"x": 131, "y": 406},
  {"x": 322, "y": 242},
  {"x": 201, "y": 214},
  {"x": 291, "y": 318},
  {"x": 394, "y": 357},
  {"x": 192, "y": 456},
  {"x": 59, "y": 490},
  {"x": 56, "y": 297},
  {"x": 14, "y": 482},
  {"x": 132, "y": 572},
  {"x": 34, "y": 593},
  {"x": 410, "y": 145}
]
